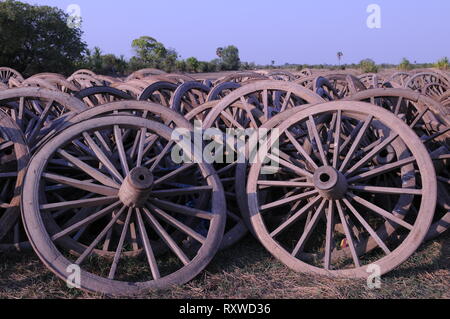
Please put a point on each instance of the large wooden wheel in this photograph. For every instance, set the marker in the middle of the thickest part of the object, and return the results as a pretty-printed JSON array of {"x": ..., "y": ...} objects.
[
  {"x": 123, "y": 203},
  {"x": 313, "y": 191},
  {"x": 13, "y": 161},
  {"x": 7, "y": 73},
  {"x": 250, "y": 107}
]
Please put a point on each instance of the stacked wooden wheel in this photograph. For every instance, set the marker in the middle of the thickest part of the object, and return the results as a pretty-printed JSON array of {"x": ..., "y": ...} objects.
[{"x": 106, "y": 174}]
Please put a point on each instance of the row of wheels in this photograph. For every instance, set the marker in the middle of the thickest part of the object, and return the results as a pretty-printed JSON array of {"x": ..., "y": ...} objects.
[{"x": 355, "y": 180}]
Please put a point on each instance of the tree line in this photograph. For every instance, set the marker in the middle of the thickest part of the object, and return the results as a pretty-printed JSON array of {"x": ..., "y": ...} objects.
[{"x": 36, "y": 39}]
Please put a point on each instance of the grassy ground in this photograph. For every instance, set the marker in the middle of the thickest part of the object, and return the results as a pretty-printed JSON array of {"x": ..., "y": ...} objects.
[{"x": 248, "y": 271}]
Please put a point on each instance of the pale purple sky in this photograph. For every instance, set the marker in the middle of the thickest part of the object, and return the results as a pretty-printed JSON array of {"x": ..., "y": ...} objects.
[{"x": 293, "y": 31}]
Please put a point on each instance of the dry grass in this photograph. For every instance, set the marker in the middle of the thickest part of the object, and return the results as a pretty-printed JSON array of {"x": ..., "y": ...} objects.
[{"x": 248, "y": 271}]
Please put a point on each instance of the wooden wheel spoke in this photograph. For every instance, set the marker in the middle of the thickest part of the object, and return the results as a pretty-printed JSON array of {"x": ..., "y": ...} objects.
[
  {"x": 147, "y": 247},
  {"x": 166, "y": 238},
  {"x": 173, "y": 174},
  {"x": 184, "y": 210},
  {"x": 287, "y": 201},
  {"x": 121, "y": 150},
  {"x": 176, "y": 223},
  {"x": 100, "y": 237},
  {"x": 290, "y": 166},
  {"x": 89, "y": 220},
  {"x": 366, "y": 225},
  {"x": 329, "y": 236},
  {"x": 371, "y": 154},
  {"x": 381, "y": 170},
  {"x": 100, "y": 177},
  {"x": 102, "y": 157},
  {"x": 312, "y": 126},
  {"x": 356, "y": 143},
  {"x": 295, "y": 217},
  {"x": 83, "y": 185},
  {"x": 348, "y": 234},
  {"x": 301, "y": 150},
  {"x": 380, "y": 211},
  {"x": 92, "y": 202},
  {"x": 309, "y": 228},
  {"x": 112, "y": 271},
  {"x": 386, "y": 190},
  {"x": 181, "y": 191}
]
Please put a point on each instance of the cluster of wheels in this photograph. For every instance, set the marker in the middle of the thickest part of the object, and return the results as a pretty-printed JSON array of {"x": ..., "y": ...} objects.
[{"x": 358, "y": 176}]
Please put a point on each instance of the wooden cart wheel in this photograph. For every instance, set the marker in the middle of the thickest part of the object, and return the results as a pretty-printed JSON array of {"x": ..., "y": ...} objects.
[
  {"x": 419, "y": 81},
  {"x": 281, "y": 76},
  {"x": 235, "y": 228},
  {"x": 141, "y": 109},
  {"x": 38, "y": 111},
  {"x": 221, "y": 90},
  {"x": 160, "y": 92},
  {"x": 141, "y": 201},
  {"x": 399, "y": 79},
  {"x": 99, "y": 95},
  {"x": 241, "y": 77},
  {"x": 7, "y": 73},
  {"x": 434, "y": 132},
  {"x": 188, "y": 96},
  {"x": 372, "y": 80},
  {"x": 250, "y": 107},
  {"x": 84, "y": 72},
  {"x": 140, "y": 74},
  {"x": 318, "y": 191},
  {"x": 13, "y": 161}
]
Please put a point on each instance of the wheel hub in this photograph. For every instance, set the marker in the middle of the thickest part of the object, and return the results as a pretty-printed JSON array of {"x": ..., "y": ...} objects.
[
  {"x": 136, "y": 187},
  {"x": 331, "y": 183}
]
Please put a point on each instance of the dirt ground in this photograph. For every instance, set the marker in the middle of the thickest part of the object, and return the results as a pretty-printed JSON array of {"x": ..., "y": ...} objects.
[{"x": 248, "y": 271}]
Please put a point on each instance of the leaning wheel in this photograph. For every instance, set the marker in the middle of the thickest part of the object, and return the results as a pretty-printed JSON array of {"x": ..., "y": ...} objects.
[
  {"x": 13, "y": 161},
  {"x": 320, "y": 184},
  {"x": 38, "y": 111},
  {"x": 97, "y": 200}
]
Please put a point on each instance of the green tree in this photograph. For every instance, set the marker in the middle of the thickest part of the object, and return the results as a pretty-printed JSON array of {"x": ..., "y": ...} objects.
[
  {"x": 230, "y": 58},
  {"x": 154, "y": 54},
  {"x": 368, "y": 66},
  {"x": 405, "y": 65},
  {"x": 35, "y": 39},
  {"x": 192, "y": 64}
]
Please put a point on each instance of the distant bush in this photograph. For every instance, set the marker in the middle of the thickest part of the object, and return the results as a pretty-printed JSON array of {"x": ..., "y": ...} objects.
[
  {"x": 368, "y": 66},
  {"x": 442, "y": 64}
]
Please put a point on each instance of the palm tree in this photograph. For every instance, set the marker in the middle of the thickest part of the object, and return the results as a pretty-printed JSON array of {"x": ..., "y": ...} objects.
[
  {"x": 339, "y": 56},
  {"x": 219, "y": 52}
]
